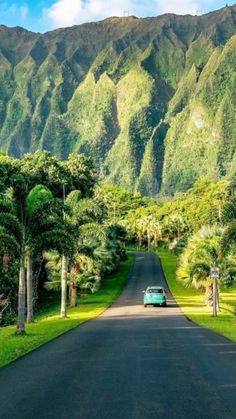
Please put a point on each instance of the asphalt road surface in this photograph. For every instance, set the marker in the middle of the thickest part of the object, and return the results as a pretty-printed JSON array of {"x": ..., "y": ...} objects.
[{"x": 130, "y": 363}]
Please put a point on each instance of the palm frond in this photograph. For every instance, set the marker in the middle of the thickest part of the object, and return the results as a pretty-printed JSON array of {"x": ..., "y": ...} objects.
[
  {"x": 229, "y": 212},
  {"x": 40, "y": 194},
  {"x": 6, "y": 205},
  {"x": 55, "y": 239},
  {"x": 229, "y": 237},
  {"x": 11, "y": 225},
  {"x": 92, "y": 230},
  {"x": 8, "y": 243}
]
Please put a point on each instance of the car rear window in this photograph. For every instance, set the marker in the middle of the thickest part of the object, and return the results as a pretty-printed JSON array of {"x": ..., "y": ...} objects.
[{"x": 155, "y": 291}]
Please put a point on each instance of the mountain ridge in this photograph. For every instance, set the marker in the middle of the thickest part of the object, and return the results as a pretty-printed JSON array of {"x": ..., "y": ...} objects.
[{"x": 125, "y": 91}]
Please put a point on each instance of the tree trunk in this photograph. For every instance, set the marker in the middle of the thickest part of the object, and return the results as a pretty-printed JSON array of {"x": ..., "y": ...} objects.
[
  {"x": 155, "y": 241},
  {"x": 73, "y": 295},
  {"x": 140, "y": 241},
  {"x": 21, "y": 301},
  {"x": 29, "y": 280},
  {"x": 209, "y": 295},
  {"x": 73, "y": 284},
  {"x": 5, "y": 261},
  {"x": 64, "y": 269},
  {"x": 218, "y": 297},
  {"x": 215, "y": 302},
  {"x": 148, "y": 240}
]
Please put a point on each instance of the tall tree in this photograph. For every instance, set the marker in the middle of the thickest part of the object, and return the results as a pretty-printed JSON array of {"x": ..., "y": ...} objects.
[
  {"x": 11, "y": 238},
  {"x": 46, "y": 229},
  {"x": 204, "y": 251},
  {"x": 82, "y": 213}
]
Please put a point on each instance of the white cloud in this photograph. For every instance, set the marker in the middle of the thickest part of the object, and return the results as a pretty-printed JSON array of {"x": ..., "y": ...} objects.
[
  {"x": 71, "y": 12},
  {"x": 24, "y": 11},
  {"x": 14, "y": 10},
  {"x": 64, "y": 13}
]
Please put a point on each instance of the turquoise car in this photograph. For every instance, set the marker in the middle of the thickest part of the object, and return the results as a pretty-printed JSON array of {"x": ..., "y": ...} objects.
[{"x": 155, "y": 296}]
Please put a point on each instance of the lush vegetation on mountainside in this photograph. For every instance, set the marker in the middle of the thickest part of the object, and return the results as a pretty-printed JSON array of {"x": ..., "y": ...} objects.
[
  {"x": 150, "y": 100},
  {"x": 55, "y": 234}
]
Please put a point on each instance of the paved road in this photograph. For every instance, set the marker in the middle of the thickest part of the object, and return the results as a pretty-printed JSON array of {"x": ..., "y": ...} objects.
[{"x": 130, "y": 363}]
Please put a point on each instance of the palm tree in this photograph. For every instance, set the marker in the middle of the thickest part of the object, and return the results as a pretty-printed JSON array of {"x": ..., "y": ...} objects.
[
  {"x": 140, "y": 228},
  {"x": 53, "y": 232},
  {"x": 39, "y": 216},
  {"x": 11, "y": 239},
  {"x": 77, "y": 217},
  {"x": 229, "y": 218},
  {"x": 46, "y": 229},
  {"x": 84, "y": 213},
  {"x": 4, "y": 303},
  {"x": 157, "y": 233},
  {"x": 83, "y": 271},
  {"x": 35, "y": 205},
  {"x": 85, "y": 263},
  {"x": 97, "y": 244},
  {"x": 174, "y": 227},
  {"x": 204, "y": 251},
  {"x": 148, "y": 228},
  {"x": 10, "y": 229}
]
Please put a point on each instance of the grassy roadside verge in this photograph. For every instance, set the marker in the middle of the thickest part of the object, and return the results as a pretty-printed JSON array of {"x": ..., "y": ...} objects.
[
  {"x": 191, "y": 301},
  {"x": 49, "y": 325}
]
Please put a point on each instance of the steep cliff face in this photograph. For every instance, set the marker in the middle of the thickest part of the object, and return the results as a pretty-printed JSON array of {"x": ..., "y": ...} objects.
[
  {"x": 151, "y": 100},
  {"x": 201, "y": 139}
]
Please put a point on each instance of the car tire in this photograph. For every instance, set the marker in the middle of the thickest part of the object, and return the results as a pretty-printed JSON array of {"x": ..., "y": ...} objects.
[
  {"x": 145, "y": 305},
  {"x": 164, "y": 305}
]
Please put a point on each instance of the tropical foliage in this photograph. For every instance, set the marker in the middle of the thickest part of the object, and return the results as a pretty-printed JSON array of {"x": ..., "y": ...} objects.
[
  {"x": 199, "y": 226},
  {"x": 53, "y": 232},
  {"x": 204, "y": 251},
  {"x": 62, "y": 232}
]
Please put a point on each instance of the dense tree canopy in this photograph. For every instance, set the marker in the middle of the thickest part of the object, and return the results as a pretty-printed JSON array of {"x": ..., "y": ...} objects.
[
  {"x": 54, "y": 216},
  {"x": 47, "y": 207}
]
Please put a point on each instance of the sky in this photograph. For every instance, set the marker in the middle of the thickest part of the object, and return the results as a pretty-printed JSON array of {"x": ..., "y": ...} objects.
[{"x": 45, "y": 15}]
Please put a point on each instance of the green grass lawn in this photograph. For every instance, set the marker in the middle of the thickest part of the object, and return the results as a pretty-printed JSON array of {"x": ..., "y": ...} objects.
[
  {"x": 191, "y": 301},
  {"x": 48, "y": 324}
]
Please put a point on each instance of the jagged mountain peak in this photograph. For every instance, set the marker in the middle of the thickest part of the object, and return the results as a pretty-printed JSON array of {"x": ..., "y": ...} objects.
[{"x": 151, "y": 100}]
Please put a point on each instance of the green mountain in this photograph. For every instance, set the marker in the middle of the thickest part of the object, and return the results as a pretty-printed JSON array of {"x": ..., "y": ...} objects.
[{"x": 151, "y": 100}]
